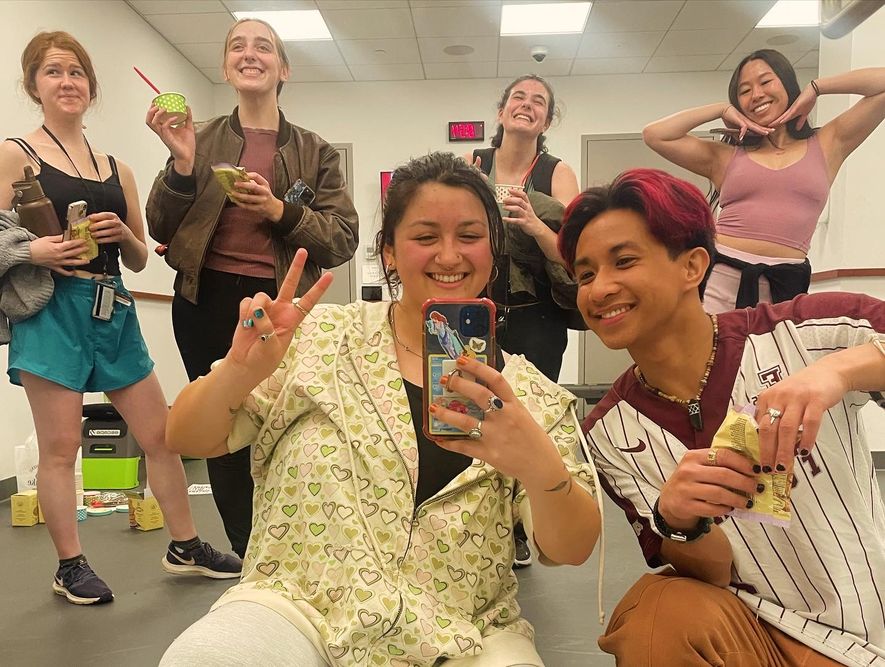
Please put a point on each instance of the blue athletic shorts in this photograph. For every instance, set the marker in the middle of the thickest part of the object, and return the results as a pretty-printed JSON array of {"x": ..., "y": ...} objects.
[{"x": 64, "y": 344}]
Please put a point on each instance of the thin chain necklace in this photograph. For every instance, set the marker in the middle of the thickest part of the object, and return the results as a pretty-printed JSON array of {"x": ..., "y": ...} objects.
[
  {"x": 693, "y": 405},
  {"x": 393, "y": 329}
]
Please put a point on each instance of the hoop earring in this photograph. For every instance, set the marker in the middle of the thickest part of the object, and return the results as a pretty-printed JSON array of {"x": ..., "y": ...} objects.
[{"x": 495, "y": 274}]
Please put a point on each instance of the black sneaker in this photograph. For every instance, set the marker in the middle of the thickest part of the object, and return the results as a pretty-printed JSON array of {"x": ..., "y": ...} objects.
[
  {"x": 204, "y": 560},
  {"x": 80, "y": 585},
  {"x": 522, "y": 556}
]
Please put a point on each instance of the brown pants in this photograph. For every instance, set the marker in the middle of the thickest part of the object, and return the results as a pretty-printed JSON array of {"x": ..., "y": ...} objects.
[{"x": 670, "y": 621}]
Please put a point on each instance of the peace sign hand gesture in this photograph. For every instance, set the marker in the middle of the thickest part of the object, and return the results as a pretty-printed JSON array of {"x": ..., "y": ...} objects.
[{"x": 267, "y": 325}]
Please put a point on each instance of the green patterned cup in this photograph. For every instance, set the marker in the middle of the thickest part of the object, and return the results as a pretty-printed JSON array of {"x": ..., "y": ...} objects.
[{"x": 174, "y": 104}]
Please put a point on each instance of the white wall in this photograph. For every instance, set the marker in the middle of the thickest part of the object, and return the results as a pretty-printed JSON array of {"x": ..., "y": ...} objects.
[
  {"x": 116, "y": 39},
  {"x": 389, "y": 122}
]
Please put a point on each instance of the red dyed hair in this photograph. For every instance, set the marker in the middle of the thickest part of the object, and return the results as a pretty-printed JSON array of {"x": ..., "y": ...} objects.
[{"x": 675, "y": 211}]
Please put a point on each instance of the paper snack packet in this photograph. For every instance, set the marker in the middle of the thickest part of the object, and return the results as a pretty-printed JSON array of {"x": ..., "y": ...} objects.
[
  {"x": 228, "y": 174},
  {"x": 739, "y": 432}
]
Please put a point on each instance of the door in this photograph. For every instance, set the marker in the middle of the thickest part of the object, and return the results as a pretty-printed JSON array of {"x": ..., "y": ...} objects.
[
  {"x": 604, "y": 156},
  {"x": 343, "y": 288}
]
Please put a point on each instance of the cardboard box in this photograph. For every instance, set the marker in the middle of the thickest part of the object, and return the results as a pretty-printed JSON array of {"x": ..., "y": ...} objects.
[
  {"x": 24, "y": 508},
  {"x": 144, "y": 513}
]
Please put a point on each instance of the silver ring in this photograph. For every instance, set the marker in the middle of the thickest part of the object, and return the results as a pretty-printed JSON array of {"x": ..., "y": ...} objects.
[
  {"x": 495, "y": 404},
  {"x": 774, "y": 414},
  {"x": 476, "y": 432},
  {"x": 301, "y": 309},
  {"x": 265, "y": 337}
]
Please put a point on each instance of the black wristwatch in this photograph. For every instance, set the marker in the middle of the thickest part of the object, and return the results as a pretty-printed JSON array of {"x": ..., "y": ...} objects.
[{"x": 699, "y": 531}]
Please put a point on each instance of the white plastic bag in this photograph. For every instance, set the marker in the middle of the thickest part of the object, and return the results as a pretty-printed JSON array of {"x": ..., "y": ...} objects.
[{"x": 27, "y": 456}]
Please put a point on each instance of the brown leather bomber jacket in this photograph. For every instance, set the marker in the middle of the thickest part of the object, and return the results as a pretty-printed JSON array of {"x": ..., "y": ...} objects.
[{"x": 183, "y": 211}]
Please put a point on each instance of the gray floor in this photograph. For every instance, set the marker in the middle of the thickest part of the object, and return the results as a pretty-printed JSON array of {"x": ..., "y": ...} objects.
[{"x": 38, "y": 628}]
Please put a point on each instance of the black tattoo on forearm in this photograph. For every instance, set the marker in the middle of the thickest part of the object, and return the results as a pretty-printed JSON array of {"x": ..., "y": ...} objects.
[{"x": 564, "y": 484}]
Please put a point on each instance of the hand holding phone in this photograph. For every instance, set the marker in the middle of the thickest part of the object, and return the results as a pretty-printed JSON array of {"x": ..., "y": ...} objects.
[
  {"x": 78, "y": 229},
  {"x": 452, "y": 328}
]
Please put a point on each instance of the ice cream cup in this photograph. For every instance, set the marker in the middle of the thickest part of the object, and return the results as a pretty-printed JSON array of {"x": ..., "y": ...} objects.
[
  {"x": 503, "y": 191},
  {"x": 172, "y": 103}
]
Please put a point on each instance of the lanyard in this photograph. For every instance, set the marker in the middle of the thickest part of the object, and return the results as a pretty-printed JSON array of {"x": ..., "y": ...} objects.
[{"x": 83, "y": 180}]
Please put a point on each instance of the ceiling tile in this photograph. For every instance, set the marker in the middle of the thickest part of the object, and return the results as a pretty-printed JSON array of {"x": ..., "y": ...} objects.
[
  {"x": 810, "y": 60},
  {"x": 146, "y": 7},
  {"x": 332, "y": 73},
  {"x": 735, "y": 57},
  {"x": 608, "y": 66},
  {"x": 267, "y": 5},
  {"x": 485, "y": 49},
  {"x": 466, "y": 70},
  {"x": 400, "y": 72},
  {"x": 633, "y": 16},
  {"x": 698, "y": 42},
  {"x": 712, "y": 14},
  {"x": 214, "y": 74},
  {"x": 457, "y": 21},
  {"x": 192, "y": 28},
  {"x": 619, "y": 45},
  {"x": 335, "y": 5},
  {"x": 314, "y": 53},
  {"x": 518, "y": 47},
  {"x": 203, "y": 55},
  {"x": 550, "y": 67},
  {"x": 379, "y": 51},
  {"x": 422, "y": 4},
  {"x": 369, "y": 23},
  {"x": 782, "y": 39},
  {"x": 706, "y": 63}
]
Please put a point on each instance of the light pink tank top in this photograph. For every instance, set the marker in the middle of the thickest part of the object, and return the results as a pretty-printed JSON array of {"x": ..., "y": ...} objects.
[{"x": 777, "y": 205}]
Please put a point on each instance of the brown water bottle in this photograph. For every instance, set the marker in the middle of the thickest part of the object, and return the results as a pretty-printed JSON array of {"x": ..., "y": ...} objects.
[{"x": 35, "y": 210}]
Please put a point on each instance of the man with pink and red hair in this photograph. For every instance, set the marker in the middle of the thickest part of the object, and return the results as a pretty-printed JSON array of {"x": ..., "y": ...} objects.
[{"x": 737, "y": 592}]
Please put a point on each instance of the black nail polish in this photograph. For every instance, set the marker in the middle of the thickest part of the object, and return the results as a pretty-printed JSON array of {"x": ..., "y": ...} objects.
[
  {"x": 804, "y": 452},
  {"x": 749, "y": 504},
  {"x": 780, "y": 467},
  {"x": 766, "y": 469},
  {"x": 757, "y": 469},
  {"x": 760, "y": 488}
]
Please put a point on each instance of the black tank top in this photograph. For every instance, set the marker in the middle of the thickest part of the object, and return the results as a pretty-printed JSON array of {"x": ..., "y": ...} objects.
[{"x": 100, "y": 196}]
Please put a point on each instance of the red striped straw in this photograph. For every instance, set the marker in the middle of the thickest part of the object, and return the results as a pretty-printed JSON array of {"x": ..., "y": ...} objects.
[{"x": 147, "y": 80}]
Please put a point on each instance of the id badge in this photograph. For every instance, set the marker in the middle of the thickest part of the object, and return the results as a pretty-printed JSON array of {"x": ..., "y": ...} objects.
[{"x": 103, "y": 303}]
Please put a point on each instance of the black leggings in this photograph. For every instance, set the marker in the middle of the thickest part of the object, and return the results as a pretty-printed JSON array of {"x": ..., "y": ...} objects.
[
  {"x": 203, "y": 334},
  {"x": 540, "y": 332}
]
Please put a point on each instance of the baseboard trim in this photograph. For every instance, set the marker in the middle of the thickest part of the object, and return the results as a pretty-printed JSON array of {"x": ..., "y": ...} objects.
[{"x": 8, "y": 486}]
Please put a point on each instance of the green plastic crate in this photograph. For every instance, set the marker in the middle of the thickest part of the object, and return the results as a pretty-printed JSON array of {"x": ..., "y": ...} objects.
[{"x": 110, "y": 473}]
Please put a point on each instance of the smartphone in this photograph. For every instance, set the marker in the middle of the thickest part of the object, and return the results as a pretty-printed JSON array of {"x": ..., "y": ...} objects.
[
  {"x": 453, "y": 327},
  {"x": 78, "y": 228}
]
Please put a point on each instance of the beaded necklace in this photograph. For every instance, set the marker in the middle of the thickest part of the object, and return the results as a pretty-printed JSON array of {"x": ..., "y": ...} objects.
[{"x": 693, "y": 405}]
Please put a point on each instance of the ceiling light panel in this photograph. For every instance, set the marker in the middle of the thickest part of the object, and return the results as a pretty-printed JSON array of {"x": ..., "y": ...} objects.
[
  {"x": 544, "y": 19},
  {"x": 788, "y": 13},
  {"x": 293, "y": 26}
]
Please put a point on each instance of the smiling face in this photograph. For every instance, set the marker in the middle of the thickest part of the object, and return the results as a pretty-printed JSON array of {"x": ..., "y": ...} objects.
[
  {"x": 527, "y": 108},
  {"x": 252, "y": 63},
  {"x": 441, "y": 246},
  {"x": 761, "y": 94},
  {"x": 629, "y": 286},
  {"x": 61, "y": 83}
]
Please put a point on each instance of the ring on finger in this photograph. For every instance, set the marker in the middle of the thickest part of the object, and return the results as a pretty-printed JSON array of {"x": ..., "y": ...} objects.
[
  {"x": 301, "y": 309},
  {"x": 711, "y": 457},
  {"x": 774, "y": 414},
  {"x": 495, "y": 404},
  {"x": 267, "y": 336},
  {"x": 476, "y": 432}
]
